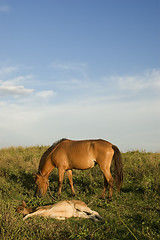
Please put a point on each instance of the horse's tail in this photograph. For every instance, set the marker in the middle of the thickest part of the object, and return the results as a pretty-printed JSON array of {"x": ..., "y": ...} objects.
[{"x": 118, "y": 167}]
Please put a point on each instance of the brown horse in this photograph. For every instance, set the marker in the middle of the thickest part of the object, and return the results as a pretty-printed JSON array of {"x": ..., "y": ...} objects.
[{"x": 68, "y": 154}]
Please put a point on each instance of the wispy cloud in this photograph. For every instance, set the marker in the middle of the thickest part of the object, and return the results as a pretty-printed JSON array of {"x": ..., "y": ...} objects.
[
  {"x": 15, "y": 80},
  {"x": 74, "y": 76},
  {"x": 10, "y": 87},
  {"x": 45, "y": 94},
  {"x": 148, "y": 80},
  {"x": 4, "y": 8},
  {"x": 70, "y": 77},
  {"x": 15, "y": 91},
  {"x": 7, "y": 70},
  {"x": 94, "y": 109},
  {"x": 13, "y": 86},
  {"x": 111, "y": 88},
  {"x": 69, "y": 66}
]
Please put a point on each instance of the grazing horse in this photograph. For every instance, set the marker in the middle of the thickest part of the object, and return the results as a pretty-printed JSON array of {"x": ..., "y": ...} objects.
[
  {"x": 68, "y": 154},
  {"x": 60, "y": 210}
]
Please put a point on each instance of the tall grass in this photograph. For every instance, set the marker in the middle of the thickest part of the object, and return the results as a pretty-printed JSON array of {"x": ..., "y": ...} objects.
[{"x": 134, "y": 214}]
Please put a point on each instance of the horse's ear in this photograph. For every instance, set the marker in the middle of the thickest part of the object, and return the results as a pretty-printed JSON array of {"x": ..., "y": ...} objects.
[{"x": 24, "y": 204}]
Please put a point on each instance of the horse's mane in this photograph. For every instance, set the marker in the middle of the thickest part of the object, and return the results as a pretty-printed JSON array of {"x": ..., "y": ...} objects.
[{"x": 47, "y": 152}]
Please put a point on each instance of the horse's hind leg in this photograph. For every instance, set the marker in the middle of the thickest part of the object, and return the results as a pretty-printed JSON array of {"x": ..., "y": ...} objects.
[
  {"x": 108, "y": 180},
  {"x": 105, "y": 164},
  {"x": 105, "y": 187},
  {"x": 69, "y": 174}
]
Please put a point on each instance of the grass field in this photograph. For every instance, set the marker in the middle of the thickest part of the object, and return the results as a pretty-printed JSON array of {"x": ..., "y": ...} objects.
[{"x": 134, "y": 214}]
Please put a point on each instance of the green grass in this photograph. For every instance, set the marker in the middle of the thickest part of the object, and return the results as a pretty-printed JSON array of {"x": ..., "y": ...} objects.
[{"x": 134, "y": 214}]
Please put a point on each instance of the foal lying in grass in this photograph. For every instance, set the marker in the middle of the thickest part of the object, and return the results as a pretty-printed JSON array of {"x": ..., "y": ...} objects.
[{"x": 60, "y": 210}]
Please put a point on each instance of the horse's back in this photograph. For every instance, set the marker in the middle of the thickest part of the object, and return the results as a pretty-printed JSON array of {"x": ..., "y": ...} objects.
[
  {"x": 72, "y": 154},
  {"x": 80, "y": 154},
  {"x": 82, "y": 146}
]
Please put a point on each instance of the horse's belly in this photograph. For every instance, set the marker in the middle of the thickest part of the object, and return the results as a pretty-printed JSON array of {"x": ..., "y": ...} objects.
[
  {"x": 84, "y": 164},
  {"x": 62, "y": 209}
]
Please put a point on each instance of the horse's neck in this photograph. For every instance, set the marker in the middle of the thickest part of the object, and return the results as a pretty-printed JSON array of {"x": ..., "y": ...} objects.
[{"x": 47, "y": 167}]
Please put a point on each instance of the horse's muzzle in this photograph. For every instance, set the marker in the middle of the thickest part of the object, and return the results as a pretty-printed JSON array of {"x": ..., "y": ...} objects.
[{"x": 40, "y": 193}]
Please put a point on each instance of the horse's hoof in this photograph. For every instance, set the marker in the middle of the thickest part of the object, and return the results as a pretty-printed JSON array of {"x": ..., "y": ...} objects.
[
  {"x": 102, "y": 197},
  {"x": 59, "y": 196}
]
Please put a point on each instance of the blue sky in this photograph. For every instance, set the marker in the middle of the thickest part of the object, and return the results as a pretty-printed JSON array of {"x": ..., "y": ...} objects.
[{"x": 80, "y": 69}]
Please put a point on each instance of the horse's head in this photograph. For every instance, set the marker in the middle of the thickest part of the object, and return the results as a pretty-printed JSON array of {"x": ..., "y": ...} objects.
[
  {"x": 42, "y": 184},
  {"x": 23, "y": 209}
]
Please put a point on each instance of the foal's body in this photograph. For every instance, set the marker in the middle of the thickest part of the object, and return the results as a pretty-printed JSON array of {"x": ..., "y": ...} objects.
[
  {"x": 61, "y": 210},
  {"x": 68, "y": 154}
]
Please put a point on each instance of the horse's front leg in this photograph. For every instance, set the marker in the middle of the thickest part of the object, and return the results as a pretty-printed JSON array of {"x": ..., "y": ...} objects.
[
  {"x": 61, "y": 176},
  {"x": 69, "y": 174}
]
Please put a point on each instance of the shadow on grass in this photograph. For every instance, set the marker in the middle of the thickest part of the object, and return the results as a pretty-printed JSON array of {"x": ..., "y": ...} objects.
[
  {"x": 26, "y": 179},
  {"x": 133, "y": 189}
]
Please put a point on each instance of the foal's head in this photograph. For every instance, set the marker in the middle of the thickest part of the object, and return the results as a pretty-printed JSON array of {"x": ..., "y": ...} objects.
[
  {"x": 23, "y": 209},
  {"x": 42, "y": 185}
]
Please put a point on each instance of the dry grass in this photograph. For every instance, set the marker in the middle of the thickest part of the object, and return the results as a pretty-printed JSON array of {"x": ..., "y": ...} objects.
[{"x": 134, "y": 214}]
